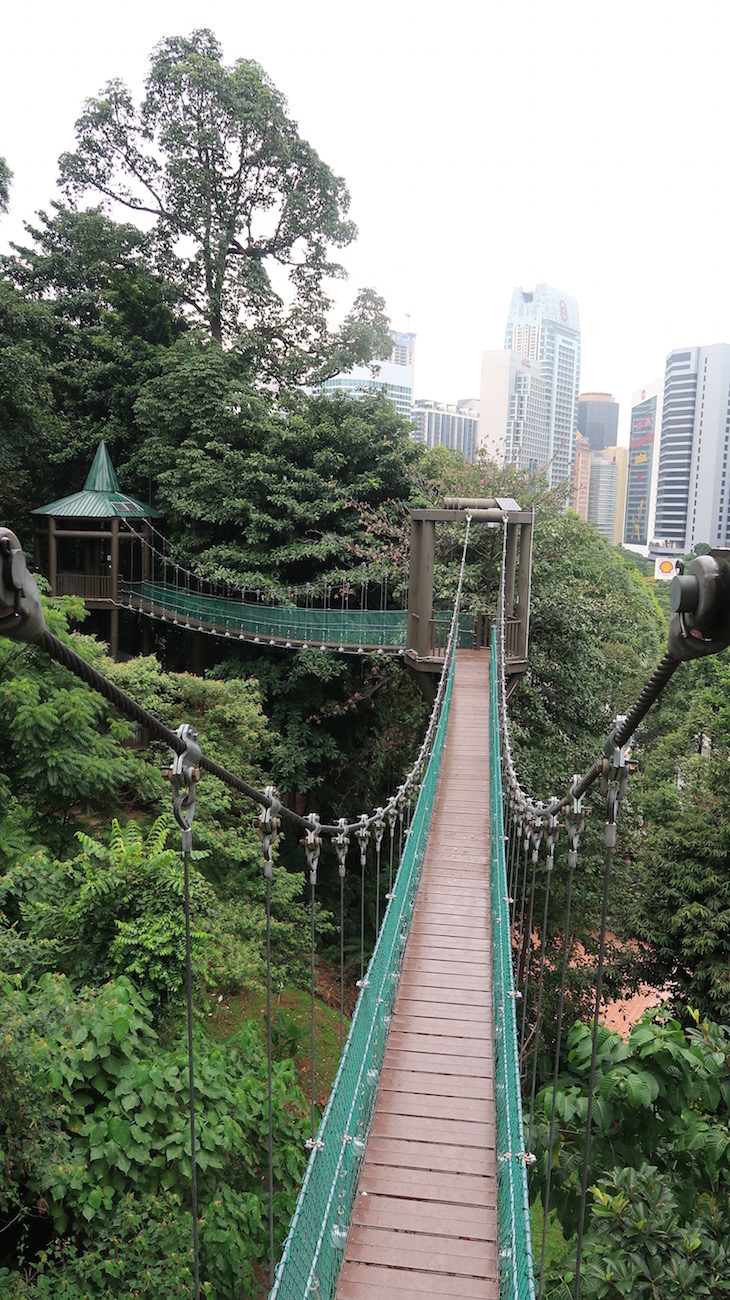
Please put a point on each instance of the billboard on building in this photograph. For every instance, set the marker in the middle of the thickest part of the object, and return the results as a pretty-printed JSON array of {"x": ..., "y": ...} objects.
[{"x": 641, "y": 460}]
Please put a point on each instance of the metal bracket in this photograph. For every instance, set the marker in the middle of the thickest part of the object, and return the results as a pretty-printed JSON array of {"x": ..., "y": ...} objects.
[
  {"x": 268, "y": 823},
  {"x": 363, "y": 835},
  {"x": 312, "y": 846},
  {"x": 341, "y": 842},
  {"x": 184, "y": 775},
  {"x": 21, "y": 615}
]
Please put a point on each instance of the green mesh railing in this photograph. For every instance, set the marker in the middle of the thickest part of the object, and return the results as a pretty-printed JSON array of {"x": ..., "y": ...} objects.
[
  {"x": 516, "y": 1269},
  {"x": 366, "y": 628},
  {"x": 310, "y": 1263}
]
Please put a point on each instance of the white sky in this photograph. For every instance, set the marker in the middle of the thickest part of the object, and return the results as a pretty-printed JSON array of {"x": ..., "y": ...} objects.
[{"x": 485, "y": 145}]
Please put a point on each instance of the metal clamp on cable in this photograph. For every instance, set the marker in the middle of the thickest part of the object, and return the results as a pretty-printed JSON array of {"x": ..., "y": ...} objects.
[
  {"x": 700, "y": 601},
  {"x": 268, "y": 823},
  {"x": 575, "y": 823},
  {"x": 551, "y": 834},
  {"x": 312, "y": 846},
  {"x": 341, "y": 842},
  {"x": 21, "y": 615},
  {"x": 616, "y": 764},
  {"x": 184, "y": 775}
]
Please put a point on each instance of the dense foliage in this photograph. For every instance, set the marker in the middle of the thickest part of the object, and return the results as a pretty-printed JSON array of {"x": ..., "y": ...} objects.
[
  {"x": 186, "y": 344},
  {"x": 659, "y": 1168}
]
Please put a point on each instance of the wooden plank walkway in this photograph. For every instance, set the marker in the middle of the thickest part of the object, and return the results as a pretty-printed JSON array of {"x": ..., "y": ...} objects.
[{"x": 424, "y": 1221}]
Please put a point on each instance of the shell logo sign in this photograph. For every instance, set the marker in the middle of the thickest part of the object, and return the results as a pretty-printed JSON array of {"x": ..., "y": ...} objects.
[{"x": 664, "y": 569}]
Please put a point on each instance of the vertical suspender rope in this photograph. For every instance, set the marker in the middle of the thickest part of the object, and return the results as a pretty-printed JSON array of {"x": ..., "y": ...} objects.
[
  {"x": 191, "y": 1084},
  {"x": 363, "y": 835},
  {"x": 268, "y": 825},
  {"x": 379, "y": 830},
  {"x": 527, "y": 935},
  {"x": 574, "y": 825},
  {"x": 610, "y": 842},
  {"x": 183, "y": 774},
  {"x": 551, "y": 837},
  {"x": 313, "y": 844},
  {"x": 342, "y": 843}
]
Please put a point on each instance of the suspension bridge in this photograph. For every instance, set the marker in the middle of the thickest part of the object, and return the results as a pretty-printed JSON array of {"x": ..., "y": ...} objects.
[{"x": 417, "y": 1177}]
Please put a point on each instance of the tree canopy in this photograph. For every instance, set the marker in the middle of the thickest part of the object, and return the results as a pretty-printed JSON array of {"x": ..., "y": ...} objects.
[
  {"x": 5, "y": 178},
  {"x": 244, "y": 213}
]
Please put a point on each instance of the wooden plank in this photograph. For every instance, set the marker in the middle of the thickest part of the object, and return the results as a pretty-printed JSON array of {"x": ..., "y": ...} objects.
[
  {"x": 428, "y": 1254},
  {"x": 367, "y": 1282},
  {"x": 439, "y": 1157},
  {"x": 413, "y": 992},
  {"x": 440, "y": 1044},
  {"x": 425, "y": 1083},
  {"x": 438, "y": 1063},
  {"x": 472, "y": 1132},
  {"x": 418, "y": 963},
  {"x": 427, "y": 1185},
  {"x": 430, "y": 1106},
  {"x": 472, "y": 1223}
]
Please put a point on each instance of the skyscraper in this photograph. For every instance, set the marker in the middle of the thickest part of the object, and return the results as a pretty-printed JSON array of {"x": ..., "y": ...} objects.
[
  {"x": 543, "y": 325},
  {"x": 641, "y": 487},
  {"x": 393, "y": 377},
  {"x": 512, "y": 411},
  {"x": 692, "y": 489},
  {"x": 607, "y": 492},
  {"x": 598, "y": 419}
]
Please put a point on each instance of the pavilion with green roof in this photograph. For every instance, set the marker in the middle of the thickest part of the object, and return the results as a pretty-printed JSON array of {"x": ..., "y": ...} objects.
[{"x": 83, "y": 537}]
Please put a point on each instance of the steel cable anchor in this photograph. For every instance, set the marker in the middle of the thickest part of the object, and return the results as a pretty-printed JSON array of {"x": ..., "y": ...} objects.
[
  {"x": 267, "y": 823},
  {"x": 183, "y": 775}
]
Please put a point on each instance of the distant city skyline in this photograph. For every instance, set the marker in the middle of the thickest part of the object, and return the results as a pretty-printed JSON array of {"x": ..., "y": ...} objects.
[{"x": 458, "y": 196}]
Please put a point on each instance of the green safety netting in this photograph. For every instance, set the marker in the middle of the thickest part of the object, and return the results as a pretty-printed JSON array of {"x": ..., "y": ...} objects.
[
  {"x": 313, "y": 1250},
  {"x": 516, "y": 1269},
  {"x": 366, "y": 628}
]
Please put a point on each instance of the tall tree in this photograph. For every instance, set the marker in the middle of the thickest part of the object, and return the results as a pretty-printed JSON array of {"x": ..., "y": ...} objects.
[
  {"x": 5, "y": 178},
  {"x": 112, "y": 317},
  {"x": 245, "y": 212}
]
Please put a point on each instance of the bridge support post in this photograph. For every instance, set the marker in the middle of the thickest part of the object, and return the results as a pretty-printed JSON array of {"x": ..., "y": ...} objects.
[
  {"x": 420, "y": 586},
  {"x": 114, "y": 617},
  {"x": 524, "y": 583}
]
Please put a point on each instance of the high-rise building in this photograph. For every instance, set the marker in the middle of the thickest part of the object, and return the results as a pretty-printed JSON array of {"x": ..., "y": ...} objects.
[
  {"x": 692, "y": 489},
  {"x": 512, "y": 409},
  {"x": 393, "y": 377},
  {"x": 581, "y": 475},
  {"x": 607, "y": 492},
  {"x": 643, "y": 468},
  {"x": 543, "y": 325},
  {"x": 441, "y": 425},
  {"x": 598, "y": 419}
]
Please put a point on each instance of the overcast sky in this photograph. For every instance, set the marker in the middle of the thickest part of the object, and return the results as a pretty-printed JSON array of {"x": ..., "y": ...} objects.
[{"x": 485, "y": 145}]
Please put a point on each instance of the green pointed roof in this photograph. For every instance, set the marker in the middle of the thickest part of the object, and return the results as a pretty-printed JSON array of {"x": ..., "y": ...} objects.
[
  {"x": 100, "y": 497},
  {"x": 102, "y": 476}
]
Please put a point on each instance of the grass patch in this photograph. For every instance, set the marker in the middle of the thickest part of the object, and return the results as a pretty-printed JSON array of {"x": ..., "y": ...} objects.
[
  {"x": 291, "y": 1014},
  {"x": 557, "y": 1249}
]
